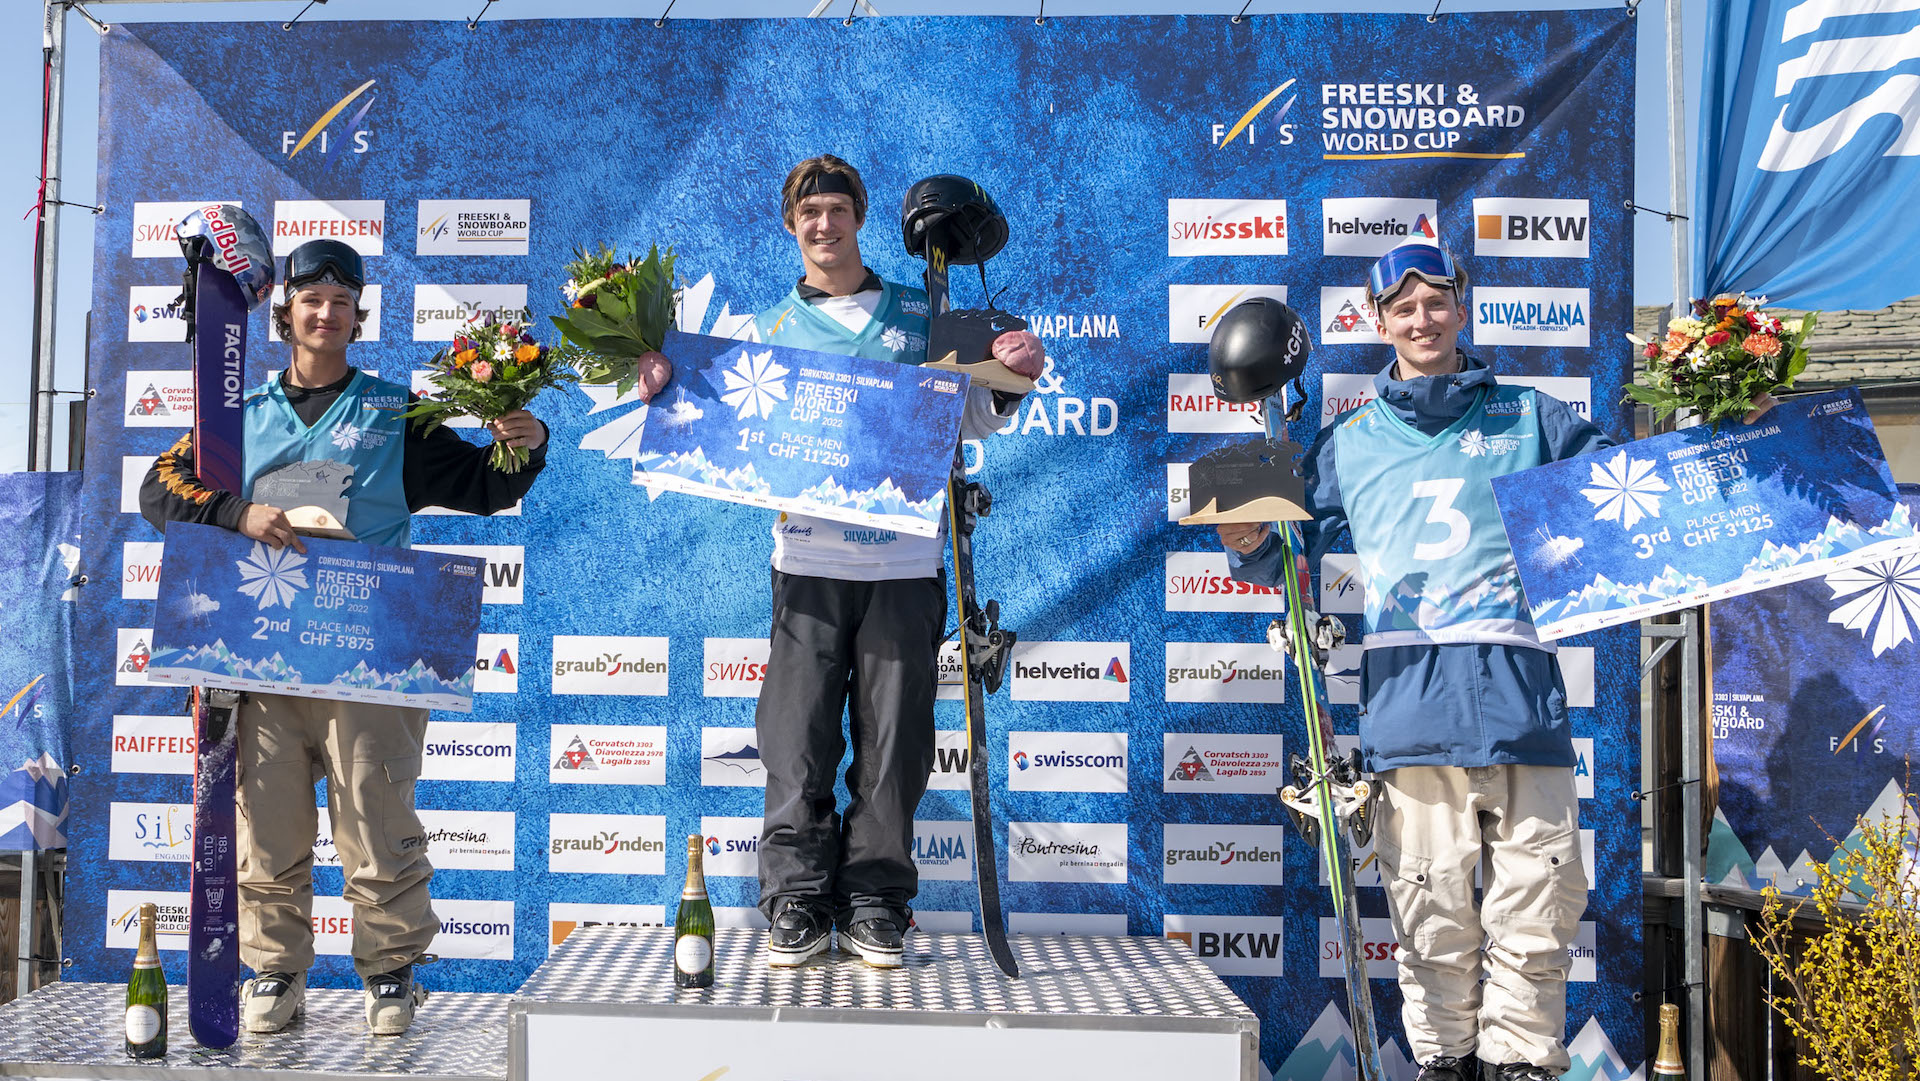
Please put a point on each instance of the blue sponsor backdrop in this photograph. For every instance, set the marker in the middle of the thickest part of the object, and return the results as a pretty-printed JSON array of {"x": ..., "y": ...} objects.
[
  {"x": 40, "y": 517},
  {"x": 1084, "y": 130}
]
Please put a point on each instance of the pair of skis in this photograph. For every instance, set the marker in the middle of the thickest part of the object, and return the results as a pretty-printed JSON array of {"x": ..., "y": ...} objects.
[{"x": 984, "y": 648}]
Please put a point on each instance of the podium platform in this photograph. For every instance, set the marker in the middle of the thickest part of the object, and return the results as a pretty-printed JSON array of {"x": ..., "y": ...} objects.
[
  {"x": 75, "y": 1030},
  {"x": 1120, "y": 1009}
]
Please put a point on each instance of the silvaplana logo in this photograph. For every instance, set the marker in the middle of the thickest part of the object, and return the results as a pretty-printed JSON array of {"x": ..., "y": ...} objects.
[
  {"x": 1530, "y": 316},
  {"x": 1226, "y": 227},
  {"x": 1247, "y": 131},
  {"x": 351, "y": 137}
]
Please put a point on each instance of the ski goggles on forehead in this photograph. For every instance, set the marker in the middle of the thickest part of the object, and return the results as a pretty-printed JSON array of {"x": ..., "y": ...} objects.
[
  {"x": 317, "y": 265},
  {"x": 1424, "y": 261}
]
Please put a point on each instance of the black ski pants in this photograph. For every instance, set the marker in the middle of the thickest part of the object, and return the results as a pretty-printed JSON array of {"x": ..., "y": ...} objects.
[{"x": 867, "y": 650}]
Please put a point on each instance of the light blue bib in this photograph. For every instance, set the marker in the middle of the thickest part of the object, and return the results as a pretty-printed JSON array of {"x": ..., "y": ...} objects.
[
  {"x": 898, "y": 330},
  {"x": 362, "y": 429}
]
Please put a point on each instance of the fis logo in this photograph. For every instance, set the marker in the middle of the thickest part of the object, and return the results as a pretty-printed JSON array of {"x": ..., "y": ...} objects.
[
  {"x": 326, "y": 139},
  {"x": 1247, "y": 129}
]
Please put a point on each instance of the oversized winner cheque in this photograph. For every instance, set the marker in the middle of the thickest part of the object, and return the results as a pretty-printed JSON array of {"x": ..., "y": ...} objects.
[
  {"x": 867, "y": 442},
  {"x": 345, "y": 621}
]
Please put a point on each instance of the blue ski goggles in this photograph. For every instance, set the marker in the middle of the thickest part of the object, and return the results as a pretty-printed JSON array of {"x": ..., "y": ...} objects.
[{"x": 1427, "y": 262}]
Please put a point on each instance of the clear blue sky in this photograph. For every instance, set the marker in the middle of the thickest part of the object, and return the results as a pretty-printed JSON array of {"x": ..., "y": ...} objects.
[{"x": 20, "y": 86}]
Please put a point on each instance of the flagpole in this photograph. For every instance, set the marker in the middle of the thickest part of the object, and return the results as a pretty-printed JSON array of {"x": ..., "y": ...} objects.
[{"x": 1677, "y": 161}]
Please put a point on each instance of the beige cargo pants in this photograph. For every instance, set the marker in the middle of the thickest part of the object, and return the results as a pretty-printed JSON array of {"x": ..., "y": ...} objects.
[
  {"x": 370, "y": 757},
  {"x": 1435, "y": 822}
]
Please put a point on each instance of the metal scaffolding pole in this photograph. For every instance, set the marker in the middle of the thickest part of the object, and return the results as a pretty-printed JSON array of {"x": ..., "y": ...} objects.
[{"x": 53, "y": 42}]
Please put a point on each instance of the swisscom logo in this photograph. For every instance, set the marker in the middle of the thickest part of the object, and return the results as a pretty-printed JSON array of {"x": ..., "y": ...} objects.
[
  {"x": 1067, "y": 761},
  {"x": 1072, "y": 672},
  {"x": 1226, "y": 227},
  {"x": 733, "y": 845}
]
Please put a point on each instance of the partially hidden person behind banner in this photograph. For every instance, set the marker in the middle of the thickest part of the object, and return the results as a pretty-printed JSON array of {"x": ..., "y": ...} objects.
[
  {"x": 858, "y": 617},
  {"x": 1463, "y": 711},
  {"x": 321, "y": 408}
]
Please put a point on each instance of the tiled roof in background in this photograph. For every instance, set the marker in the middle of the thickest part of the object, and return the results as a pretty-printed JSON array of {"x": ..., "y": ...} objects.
[{"x": 1847, "y": 347}]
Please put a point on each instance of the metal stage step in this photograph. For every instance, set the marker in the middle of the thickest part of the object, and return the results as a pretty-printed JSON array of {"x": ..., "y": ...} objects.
[{"x": 1120, "y": 1009}]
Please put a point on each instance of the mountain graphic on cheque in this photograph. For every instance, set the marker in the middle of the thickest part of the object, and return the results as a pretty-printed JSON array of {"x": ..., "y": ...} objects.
[
  {"x": 417, "y": 679},
  {"x": 218, "y": 658},
  {"x": 1837, "y": 539},
  {"x": 883, "y": 498},
  {"x": 1604, "y": 594},
  {"x": 694, "y": 465}
]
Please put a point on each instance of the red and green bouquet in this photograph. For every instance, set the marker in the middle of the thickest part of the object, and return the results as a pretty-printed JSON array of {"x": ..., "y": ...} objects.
[
  {"x": 617, "y": 312},
  {"x": 1721, "y": 359},
  {"x": 489, "y": 370}
]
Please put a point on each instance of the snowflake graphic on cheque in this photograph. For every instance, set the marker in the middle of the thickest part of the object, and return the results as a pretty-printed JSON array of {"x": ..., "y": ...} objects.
[
  {"x": 272, "y": 575},
  {"x": 1888, "y": 604},
  {"x": 1624, "y": 490},
  {"x": 754, "y": 383}
]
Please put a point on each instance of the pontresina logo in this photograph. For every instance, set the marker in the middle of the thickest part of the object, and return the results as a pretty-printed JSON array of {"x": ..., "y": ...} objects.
[
  {"x": 730, "y": 758},
  {"x": 733, "y": 667},
  {"x": 469, "y": 751},
  {"x": 950, "y": 762},
  {"x": 1234, "y": 855},
  {"x": 1343, "y": 391},
  {"x": 1067, "y": 761},
  {"x": 360, "y": 224},
  {"x": 1199, "y": 582},
  {"x": 496, "y": 664},
  {"x": 123, "y": 919},
  {"x": 1192, "y": 407},
  {"x": 1225, "y": 672},
  {"x": 158, "y": 399},
  {"x": 1372, "y": 227},
  {"x": 1072, "y": 672},
  {"x": 1192, "y": 309},
  {"x": 154, "y": 314},
  {"x": 1066, "y": 851},
  {"x": 153, "y": 223},
  {"x": 1222, "y": 762},
  {"x": 456, "y": 840},
  {"x": 1233, "y": 945},
  {"x": 604, "y": 844},
  {"x": 1531, "y": 316},
  {"x": 1226, "y": 227},
  {"x": 733, "y": 845},
  {"x": 369, "y": 329},
  {"x": 503, "y": 581},
  {"x": 1345, "y": 318},
  {"x": 607, "y": 664},
  {"x": 440, "y": 311},
  {"x": 149, "y": 744},
  {"x": 150, "y": 832},
  {"x": 565, "y": 918},
  {"x": 140, "y": 570},
  {"x": 1540, "y": 228},
  {"x": 473, "y": 227},
  {"x": 943, "y": 850},
  {"x": 1377, "y": 943},
  {"x": 607, "y": 754}
]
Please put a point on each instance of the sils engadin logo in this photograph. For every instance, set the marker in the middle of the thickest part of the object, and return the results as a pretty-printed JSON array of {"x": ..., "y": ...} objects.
[
  {"x": 325, "y": 139},
  {"x": 272, "y": 575},
  {"x": 1277, "y": 131},
  {"x": 754, "y": 383},
  {"x": 1624, "y": 490}
]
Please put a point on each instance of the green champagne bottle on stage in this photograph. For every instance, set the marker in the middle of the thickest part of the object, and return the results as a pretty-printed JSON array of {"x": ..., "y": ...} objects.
[
  {"x": 693, "y": 927},
  {"x": 147, "y": 995}
]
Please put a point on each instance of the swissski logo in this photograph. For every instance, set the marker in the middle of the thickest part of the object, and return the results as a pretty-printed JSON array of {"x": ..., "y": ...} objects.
[
  {"x": 1233, "y": 945},
  {"x": 1345, "y": 318},
  {"x": 1372, "y": 227},
  {"x": 503, "y": 581},
  {"x": 1376, "y": 939},
  {"x": 360, "y": 224},
  {"x": 1344, "y": 391},
  {"x": 1067, "y": 761},
  {"x": 1531, "y": 316},
  {"x": 607, "y": 754},
  {"x": 1193, "y": 309},
  {"x": 1259, "y": 127},
  {"x": 733, "y": 845},
  {"x": 159, "y": 399},
  {"x": 1540, "y": 228},
  {"x": 1224, "y": 672},
  {"x": 1199, "y": 582},
  {"x": 1072, "y": 672},
  {"x": 469, "y": 751},
  {"x": 1193, "y": 407},
  {"x": 605, "y": 844},
  {"x": 333, "y": 141},
  {"x": 153, "y": 236},
  {"x": 733, "y": 667},
  {"x": 944, "y": 850},
  {"x": 140, "y": 570},
  {"x": 1066, "y": 851},
  {"x": 1234, "y": 855},
  {"x": 730, "y": 757},
  {"x": 609, "y": 664},
  {"x": 497, "y": 664},
  {"x": 150, "y": 744},
  {"x": 1222, "y": 762},
  {"x": 1226, "y": 227}
]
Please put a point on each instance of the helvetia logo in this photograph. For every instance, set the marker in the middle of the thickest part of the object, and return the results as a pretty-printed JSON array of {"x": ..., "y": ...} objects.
[
  {"x": 1370, "y": 227},
  {"x": 1278, "y": 131},
  {"x": 1115, "y": 672},
  {"x": 351, "y": 134}
]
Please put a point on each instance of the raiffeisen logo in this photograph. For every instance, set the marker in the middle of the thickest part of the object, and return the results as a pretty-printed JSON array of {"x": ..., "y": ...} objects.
[
  {"x": 324, "y": 139},
  {"x": 1278, "y": 131}
]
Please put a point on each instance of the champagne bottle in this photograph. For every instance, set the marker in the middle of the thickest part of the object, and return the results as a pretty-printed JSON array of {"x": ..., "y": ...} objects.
[
  {"x": 693, "y": 927},
  {"x": 147, "y": 994},
  {"x": 1667, "y": 1061}
]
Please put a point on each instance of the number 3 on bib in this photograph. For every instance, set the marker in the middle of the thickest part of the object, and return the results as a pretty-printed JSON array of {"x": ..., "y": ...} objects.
[{"x": 1443, "y": 491}]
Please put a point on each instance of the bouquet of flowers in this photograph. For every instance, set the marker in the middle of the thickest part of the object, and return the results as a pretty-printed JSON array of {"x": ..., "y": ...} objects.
[
  {"x": 489, "y": 370},
  {"x": 1722, "y": 358},
  {"x": 617, "y": 313}
]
